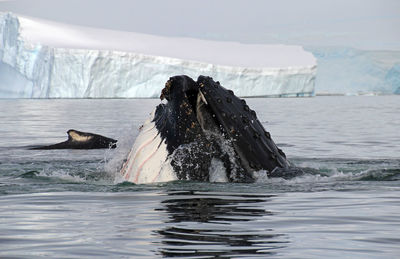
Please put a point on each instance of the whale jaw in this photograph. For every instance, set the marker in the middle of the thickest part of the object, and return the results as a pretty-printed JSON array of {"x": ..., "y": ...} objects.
[{"x": 147, "y": 160}]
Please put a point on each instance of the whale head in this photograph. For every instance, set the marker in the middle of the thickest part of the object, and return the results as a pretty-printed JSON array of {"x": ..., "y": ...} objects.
[{"x": 200, "y": 125}]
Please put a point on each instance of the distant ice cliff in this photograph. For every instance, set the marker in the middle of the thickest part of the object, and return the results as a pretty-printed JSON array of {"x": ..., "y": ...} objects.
[
  {"x": 343, "y": 70},
  {"x": 42, "y": 59}
]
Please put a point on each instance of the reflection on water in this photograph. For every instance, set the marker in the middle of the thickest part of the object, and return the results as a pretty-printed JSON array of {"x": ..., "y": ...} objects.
[{"x": 209, "y": 225}]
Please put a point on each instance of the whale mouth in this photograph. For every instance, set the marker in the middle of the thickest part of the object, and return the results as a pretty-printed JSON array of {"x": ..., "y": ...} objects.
[
  {"x": 204, "y": 108},
  {"x": 189, "y": 96},
  {"x": 206, "y": 116}
]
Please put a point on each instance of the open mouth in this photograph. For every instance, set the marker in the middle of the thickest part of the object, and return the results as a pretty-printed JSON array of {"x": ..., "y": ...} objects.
[
  {"x": 206, "y": 108},
  {"x": 206, "y": 116}
]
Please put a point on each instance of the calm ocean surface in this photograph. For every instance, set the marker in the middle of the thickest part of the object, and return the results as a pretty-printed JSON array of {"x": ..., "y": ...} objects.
[{"x": 73, "y": 204}]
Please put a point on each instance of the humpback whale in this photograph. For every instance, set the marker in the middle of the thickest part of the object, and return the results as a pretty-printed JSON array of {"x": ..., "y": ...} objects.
[
  {"x": 82, "y": 140},
  {"x": 199, "y": 126}
]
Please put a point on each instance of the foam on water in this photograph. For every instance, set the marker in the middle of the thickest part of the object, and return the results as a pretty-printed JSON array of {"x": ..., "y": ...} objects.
[
  {"x": 115, "y": 158},
  {"x": 217, "y": 171}
]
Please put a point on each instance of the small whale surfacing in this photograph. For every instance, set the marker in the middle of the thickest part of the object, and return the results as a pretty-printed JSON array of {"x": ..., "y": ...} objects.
[
  {"x": 201, "y": 127},
  {"x": 82, "y": 140}
]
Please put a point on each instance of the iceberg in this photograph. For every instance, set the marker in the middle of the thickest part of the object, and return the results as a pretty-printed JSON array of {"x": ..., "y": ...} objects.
[
  {"x": 45, "y": 59},
  {"x": 350, "y": 71},
  {"x": 392, "y": 78}
]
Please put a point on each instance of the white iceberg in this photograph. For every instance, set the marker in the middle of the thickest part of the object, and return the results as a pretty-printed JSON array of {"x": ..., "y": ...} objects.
[
  {"x": 349, "y": 71},
  {"x": 43, "y": 59}
]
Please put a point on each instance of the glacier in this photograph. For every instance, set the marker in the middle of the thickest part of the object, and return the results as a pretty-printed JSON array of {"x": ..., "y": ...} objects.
[
  {"x": 350, "y": 71},
  {"x": 45, "y": 59}
]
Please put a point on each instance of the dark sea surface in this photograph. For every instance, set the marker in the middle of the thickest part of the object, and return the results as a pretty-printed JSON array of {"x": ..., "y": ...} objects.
[{"x": 73, "y": 203}]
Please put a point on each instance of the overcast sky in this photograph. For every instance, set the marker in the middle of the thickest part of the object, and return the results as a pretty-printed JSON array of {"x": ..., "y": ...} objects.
[{"x": 368, "y": 24}]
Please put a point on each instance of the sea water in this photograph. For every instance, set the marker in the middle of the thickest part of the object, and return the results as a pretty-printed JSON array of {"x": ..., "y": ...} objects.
[{"x": 73, "y": 203}]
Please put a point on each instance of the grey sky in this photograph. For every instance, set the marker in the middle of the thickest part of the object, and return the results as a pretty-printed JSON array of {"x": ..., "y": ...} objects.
[{"x": 369, "y": 24}]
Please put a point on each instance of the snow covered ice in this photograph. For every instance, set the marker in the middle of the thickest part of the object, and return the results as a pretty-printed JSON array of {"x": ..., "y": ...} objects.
[
  {"x": 345, "y": 70},
  {"x": 43, "y": 59}
]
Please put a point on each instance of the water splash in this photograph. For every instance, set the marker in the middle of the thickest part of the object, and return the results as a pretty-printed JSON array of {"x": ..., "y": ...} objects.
[{"x": 114, "y": 158}]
